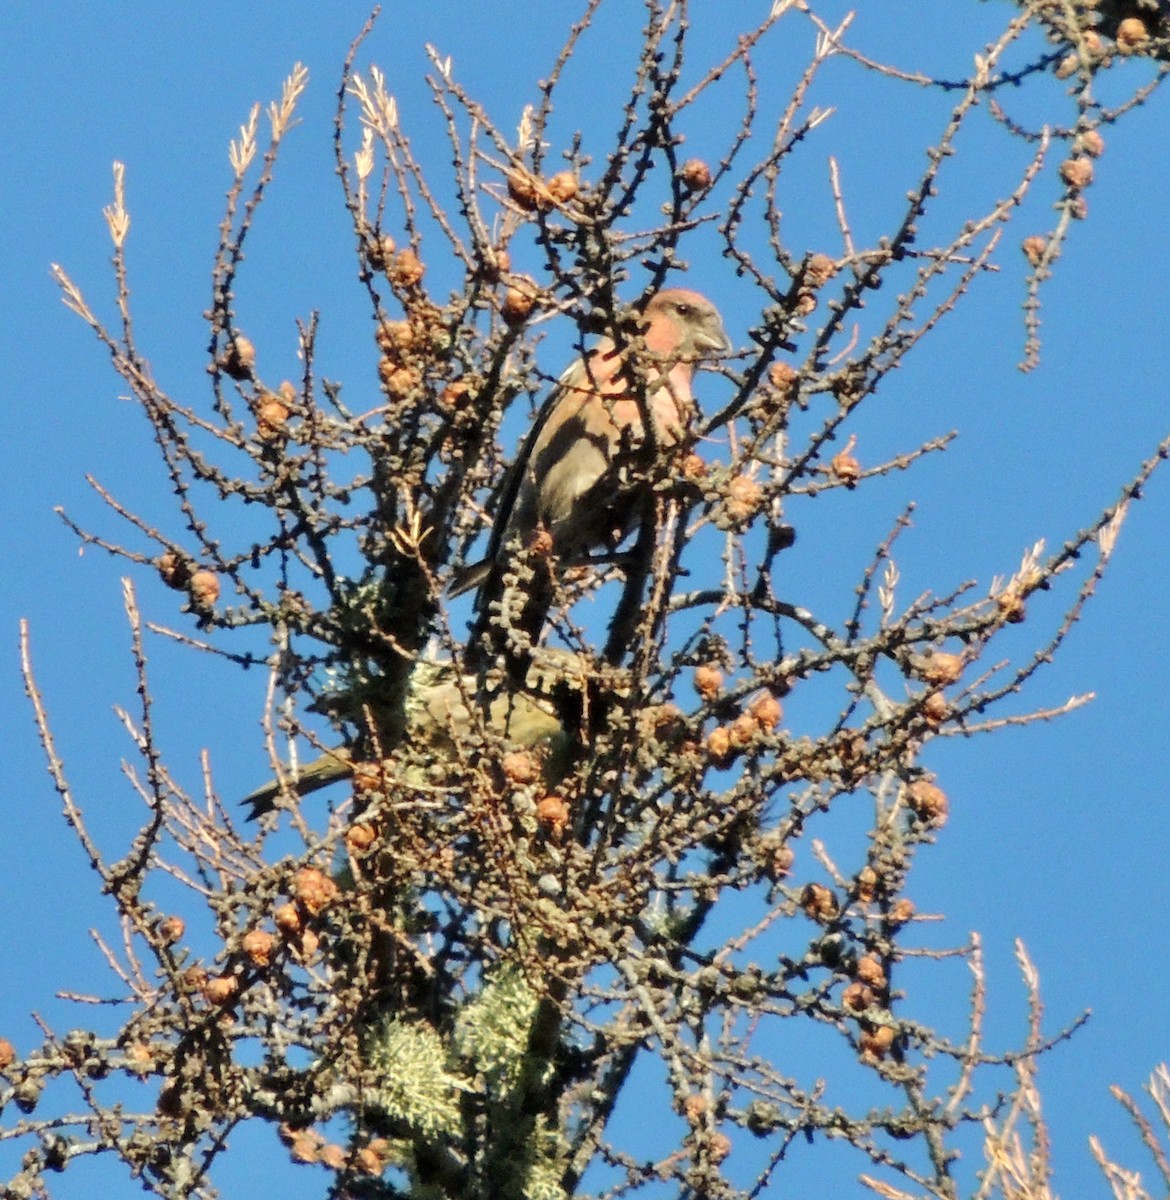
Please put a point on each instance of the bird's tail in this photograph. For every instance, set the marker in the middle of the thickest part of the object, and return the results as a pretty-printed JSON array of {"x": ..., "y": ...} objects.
[
  {"x": 330, "y": 767},
  {"x": 470, "y": 577}
]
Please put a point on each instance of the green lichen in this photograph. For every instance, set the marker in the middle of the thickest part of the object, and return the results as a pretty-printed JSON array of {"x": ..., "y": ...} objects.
[
  {"x": 414, "y": 1084},
  {"x": 494, "y": 1027}
]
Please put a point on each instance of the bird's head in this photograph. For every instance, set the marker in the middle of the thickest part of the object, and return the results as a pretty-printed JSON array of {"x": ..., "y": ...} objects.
[{"x": 684, "y": 323}]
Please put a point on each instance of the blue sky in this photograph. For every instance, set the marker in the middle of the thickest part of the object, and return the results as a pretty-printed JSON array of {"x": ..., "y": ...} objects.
[{"x": 1059, "y": 833}]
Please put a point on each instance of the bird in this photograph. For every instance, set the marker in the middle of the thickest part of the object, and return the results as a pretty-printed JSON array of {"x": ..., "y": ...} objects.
[
  {"x": 581, "y": 472},
  {"x": 437, "y": 720}
]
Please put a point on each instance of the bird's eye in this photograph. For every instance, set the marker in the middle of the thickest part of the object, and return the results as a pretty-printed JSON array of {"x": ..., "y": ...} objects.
[{"x": 683, "y": 310}]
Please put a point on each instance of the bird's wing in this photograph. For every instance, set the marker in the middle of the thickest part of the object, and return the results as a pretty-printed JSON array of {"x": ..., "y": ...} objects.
[{"x": 579, "y": 378}]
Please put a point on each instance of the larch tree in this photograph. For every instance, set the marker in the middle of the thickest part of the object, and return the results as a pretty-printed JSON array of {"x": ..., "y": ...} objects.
[{"x": 638, "y": 819}]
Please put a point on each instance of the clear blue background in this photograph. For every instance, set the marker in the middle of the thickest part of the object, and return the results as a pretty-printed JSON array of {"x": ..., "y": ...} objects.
[{"x": 1059, "y": 833}]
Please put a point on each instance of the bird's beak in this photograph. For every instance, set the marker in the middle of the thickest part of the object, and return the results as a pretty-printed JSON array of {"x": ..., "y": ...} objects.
[{"x": 714, "y": 341}]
